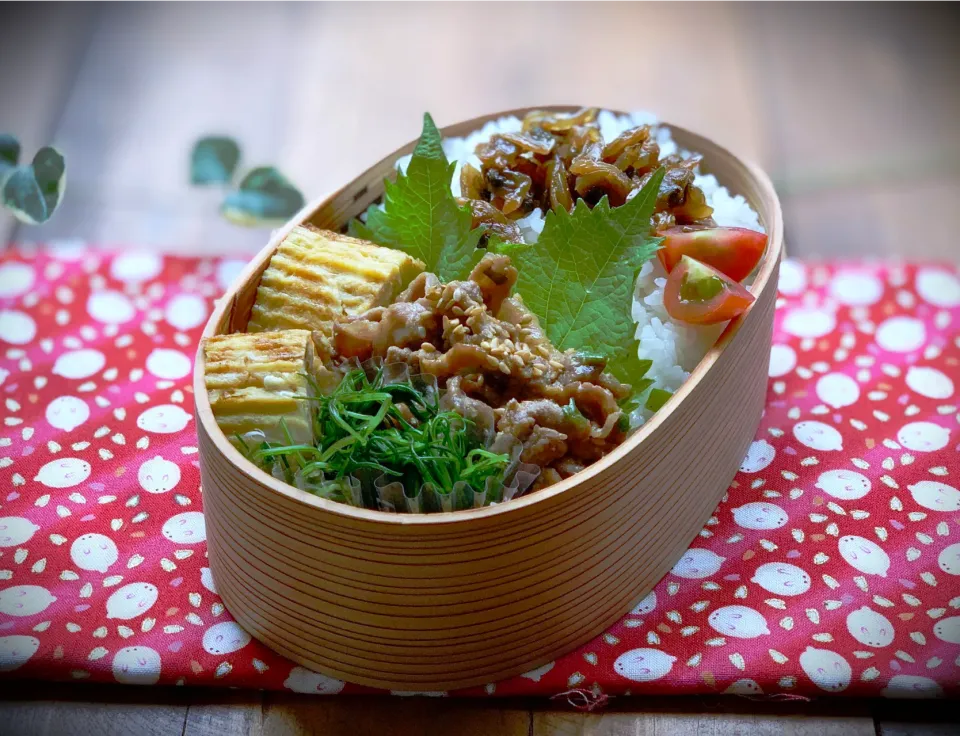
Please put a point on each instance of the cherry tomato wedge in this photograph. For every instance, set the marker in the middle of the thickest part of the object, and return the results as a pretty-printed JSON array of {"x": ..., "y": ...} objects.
[
  {"x": 701, "y": 295},
  {"x": 733, "y": 251}
]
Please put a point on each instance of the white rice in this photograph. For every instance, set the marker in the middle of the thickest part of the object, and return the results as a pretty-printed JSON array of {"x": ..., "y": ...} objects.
[{"x": 674, "y": 347}]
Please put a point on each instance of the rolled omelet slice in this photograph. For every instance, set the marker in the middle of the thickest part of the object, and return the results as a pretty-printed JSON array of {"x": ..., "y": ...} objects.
[
  {"x": 318, "y": 276},
  {"x": 255, "y": 380}
]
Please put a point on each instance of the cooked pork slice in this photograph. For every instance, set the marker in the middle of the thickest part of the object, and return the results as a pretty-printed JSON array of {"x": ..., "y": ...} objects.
[
  {"x": 496, "y": 366},
  {"x": 543, "y": 446},
  {"x": 496, "y": 277},
  {"x": 480, "y": 413},
  {"x": 402, "y": 324}
]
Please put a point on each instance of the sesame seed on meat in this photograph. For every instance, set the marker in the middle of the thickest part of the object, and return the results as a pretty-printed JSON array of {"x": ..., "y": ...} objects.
[{"x": 497, "y": 366}]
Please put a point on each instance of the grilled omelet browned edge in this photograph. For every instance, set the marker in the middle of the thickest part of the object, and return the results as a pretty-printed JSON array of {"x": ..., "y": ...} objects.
[
  {"x": 317, "y": 276},
  {"x": 254, "y": 380}
]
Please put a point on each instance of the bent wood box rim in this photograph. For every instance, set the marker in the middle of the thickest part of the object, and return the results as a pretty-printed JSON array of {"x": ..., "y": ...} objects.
[
  {"x": 233, "y": 309},
  {"x": 443, "y": 601}
]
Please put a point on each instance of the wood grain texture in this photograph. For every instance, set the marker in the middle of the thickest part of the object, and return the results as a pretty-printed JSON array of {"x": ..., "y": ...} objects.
[
  {"x": 712, "y": 715},
  {"x": 157, "y": 77},
  {"x": 780, "y": 89},
  {"x": 781, "y": 76},
  {"x": 860, "y": 111},
  {"x": 219, "y": 713},
  {"x": 875, "y": 221},
  {"x": 42, "y": 47},
  {"x": 383, "y": 600},
  {"x": 290, "y": 715},
  {"x": 843, "y": 84},
  {"x": 707, "y": 724},
  {"x": 401, "y": 55},
  {"x": 80, "y": 710},
  {"x": 28, "y": 709},
  {"x": 351, "y": 85}
]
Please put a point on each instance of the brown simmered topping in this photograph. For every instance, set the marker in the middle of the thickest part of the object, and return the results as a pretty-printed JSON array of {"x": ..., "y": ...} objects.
[
  {"x": 497, "y": 366},
  {"x": 559, "y": 158}
]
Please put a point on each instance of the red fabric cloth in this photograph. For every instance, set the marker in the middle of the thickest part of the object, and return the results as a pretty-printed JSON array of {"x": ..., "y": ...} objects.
[{"x": 832, "y": 565}]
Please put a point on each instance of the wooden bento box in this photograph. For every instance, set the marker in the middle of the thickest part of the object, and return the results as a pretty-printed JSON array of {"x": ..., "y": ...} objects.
[{"x": 441, "y": 601}]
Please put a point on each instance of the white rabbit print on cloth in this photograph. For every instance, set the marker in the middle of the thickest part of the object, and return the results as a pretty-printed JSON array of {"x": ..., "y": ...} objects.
[{"x": 832, "y": 565}]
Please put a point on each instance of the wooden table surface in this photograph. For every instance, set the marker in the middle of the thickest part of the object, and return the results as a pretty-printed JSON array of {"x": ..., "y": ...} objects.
[{"x": 852, "y": 109}]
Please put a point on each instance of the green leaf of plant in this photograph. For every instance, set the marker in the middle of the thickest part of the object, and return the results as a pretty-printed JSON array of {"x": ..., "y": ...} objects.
[
  {"x": 214, "y": 160},
  {"x": 358, "y": 229},
  {"x": 32, "y": 192},
  {"x": 657, "y": 398},
  {"x": 629, "y": 368},
  {"x": 265, "y": 197},
  {"x": 265, "y": 179},
  {"x": 9, "y": 154},
  {"x": 579, "y": 277},
  {"x": 635, "y": 400},
  {"x": 421, "y": 215}
]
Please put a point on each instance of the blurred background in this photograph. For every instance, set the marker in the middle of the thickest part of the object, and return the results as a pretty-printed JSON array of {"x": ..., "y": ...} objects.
[{"x": 853, "y": 109}]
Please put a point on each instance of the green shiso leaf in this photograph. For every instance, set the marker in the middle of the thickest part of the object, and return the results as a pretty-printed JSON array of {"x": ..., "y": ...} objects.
[
  {"x": 627, "y": 366},
  {"x": 32, "y": 192},
  {"x": 265, "y": 196},
  {"x": 579, "y": 277},
  {"x": 421, "y": 216},
  {"x": 358, "y": 229},
  {"x": 214, "y": 160}
]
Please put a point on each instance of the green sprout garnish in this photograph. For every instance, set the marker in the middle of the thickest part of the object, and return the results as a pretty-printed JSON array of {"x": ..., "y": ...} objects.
[{"x": 397, "y": 430}]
